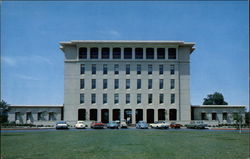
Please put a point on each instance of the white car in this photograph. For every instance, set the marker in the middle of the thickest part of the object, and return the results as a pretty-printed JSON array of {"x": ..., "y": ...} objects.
[
  {"x": 62, "y": 125},
  {"x": 80, "y": 125},
  {"x": 160, "y": 125},
  {"x": 123, "y": 124}
]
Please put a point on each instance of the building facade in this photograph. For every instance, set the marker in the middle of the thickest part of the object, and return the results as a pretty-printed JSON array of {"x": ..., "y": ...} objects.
[{"x": 132, "y": 80}]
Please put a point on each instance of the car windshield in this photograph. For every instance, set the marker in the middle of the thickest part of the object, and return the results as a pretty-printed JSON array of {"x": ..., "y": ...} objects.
[
  {"x": 80, "y": 122},
  {"x": 112, "y": 122},
  {"x": 61, "y": 122}
]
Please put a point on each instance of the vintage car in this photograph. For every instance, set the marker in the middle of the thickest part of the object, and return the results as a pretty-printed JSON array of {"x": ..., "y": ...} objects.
[
  {"x": 142, "y": 125},
  {"x": 62, "y": 125},
  {"x": 196, "y": 125},
  {"x": 160, "y": 125},
  {"x": 113, "y": 125},
  {"x": 175, "y": 125},
  {"x": 80, "y": 125},
  {"x": 123, "y": 124},
  {"x": 97, "y": 125}
]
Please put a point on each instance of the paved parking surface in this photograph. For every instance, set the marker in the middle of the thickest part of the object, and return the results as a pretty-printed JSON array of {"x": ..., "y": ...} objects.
[{"x": 128, "y": 129}]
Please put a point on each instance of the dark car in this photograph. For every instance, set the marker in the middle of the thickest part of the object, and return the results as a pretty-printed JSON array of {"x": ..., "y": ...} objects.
[
  {"x": 175, "y": 125},
  {"x": 62, "y": 125},
  {"x": 142, "y": 125},
  {"x": 196, "y": 125},
  {"x": 97, "y": 125},
  {"x": 113, "y": 125}
]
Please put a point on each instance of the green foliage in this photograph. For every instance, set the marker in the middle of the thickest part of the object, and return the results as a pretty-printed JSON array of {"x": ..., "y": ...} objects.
[
  {"x": 215, "y": 99},
  {"x": 4, "y": 107}
]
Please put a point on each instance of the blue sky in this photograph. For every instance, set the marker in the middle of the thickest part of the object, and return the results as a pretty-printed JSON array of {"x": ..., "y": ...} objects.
[{"x": 32, "y": 63}]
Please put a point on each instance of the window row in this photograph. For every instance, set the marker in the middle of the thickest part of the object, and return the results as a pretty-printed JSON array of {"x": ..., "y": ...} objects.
[
  {"x": 105, "y": 53},
  {"x": 127, "y": 98},
  {"x": 127, "y": 69},
  {"x": 127, "y": 84}
]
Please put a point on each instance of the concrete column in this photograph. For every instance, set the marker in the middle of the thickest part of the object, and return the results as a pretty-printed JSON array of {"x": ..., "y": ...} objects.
[
  {"x": 133, "y": 116},
  {"x": 111, "y": 52},
  {"x": 110, "y": 114},
  {"x": 122, "y": 114},
  {"x": 145, "y": 114},
  {"x": 166, "y": 114},
  {"x": 155, "y": 53},
  {"x": 99, "y": 52},
  {"x": 99, "y": 114},
  {"x": 144, "y": 53},
  {"x": 87, "y": 114},
  {"x": 122, "y": 53},
  {"x": 155, "y": 115},
  {"x": 133, "y": 53}
]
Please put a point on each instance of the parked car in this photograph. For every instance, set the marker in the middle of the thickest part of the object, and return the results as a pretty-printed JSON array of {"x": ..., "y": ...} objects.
[
  {"x": 62, "y": 125},
  {"x": 175, "y": 125},
  {"x": 97, "y": 125},
  {"x": 160, "y": 125},
  {"x": 80, "y": 125},
  {"x": 196, "y": 125},
  {"x": 123, "y": 124},
  {"x": 142, "y": 125},
  {"x": 113, "y": 125}
]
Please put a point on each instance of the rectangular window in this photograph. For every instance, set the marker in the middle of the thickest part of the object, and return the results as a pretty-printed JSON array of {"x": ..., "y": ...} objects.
[
  {"x": 116, "y": 83},
  {"x": 150, "y": 53},
  {"x": 161, "y": 70},
  {"x": 138, "y": 83},
  {"x": 81, "y": 98},
  {"x": 83, "y": 53},
  {"x": 161, "y": 53},
  {"x": 93, "y": 83},
  {"x": 127, "y": 69},
  {"x": 224, "y": 116},
  {"x": 150, "y": 83},
  {"x": 28, "y": 116},
  {"x": 150, "y": 98},
  {"x": 127, "y": 83},
  {"x": 82, "y": 84},
  {"x": 105, "y": 69},
  {"x": 93, "y": 98},
  {"x": 105, "y": 53},
  {"x": 203, "y": 116},
  {"x": 116, "y": 98},
  {"x": 51, "y": 116},
  {"x": 105, "y": 98},
  {"x": 172, "y": 53},
  {"x": 172, "y": 84},
  {"x": 105, "y": 83},
  {"x": 161, "y": 82},
  {"x": 94, "y": 53},
  {"x": 39, "y": 116},
  {"x": 93, "y": 69},
  {"x": 214, "y": 116},
  {"x": 172, "y": 69},
  {"x": 150, "y": 69},
  {"x": 127, "y": 53},
  {"x": 117, "y": 53},
  {"x": 138, "y": 69},
  {"x": 82, "y": 69},
  {"x": 127, "y": 98},
  {"x": 172, "y": 98},
  {"x": 116, "y": 69},
  {"x": 161, "y": 98},
  {"x": 138, "y": 53},
  {"x": 138, "y": 98}
]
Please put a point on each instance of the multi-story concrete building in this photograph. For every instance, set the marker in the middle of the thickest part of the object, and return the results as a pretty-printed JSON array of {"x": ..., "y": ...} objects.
[{"x": 132, "y": 80}]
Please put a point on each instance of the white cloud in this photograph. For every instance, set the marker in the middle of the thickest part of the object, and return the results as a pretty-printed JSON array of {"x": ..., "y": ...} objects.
[
  {"x": 8, "y": 61},
  {"x": 14, "y": 60},
  {"x": 25, "y": 77},
  {"x": 110, "y": 33}
]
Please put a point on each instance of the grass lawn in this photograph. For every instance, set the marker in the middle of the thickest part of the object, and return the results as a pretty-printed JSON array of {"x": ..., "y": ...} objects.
[{"x": 125, "y": 144}]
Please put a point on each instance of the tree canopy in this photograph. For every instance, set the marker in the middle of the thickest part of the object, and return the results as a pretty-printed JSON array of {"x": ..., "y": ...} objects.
[{"x": 215, "y": 99}]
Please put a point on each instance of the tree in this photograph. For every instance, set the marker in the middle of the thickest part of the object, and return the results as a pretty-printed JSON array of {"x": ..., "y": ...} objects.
[
  {"x": 4, "y": 107},
  {"x": 214, "y": 99}
]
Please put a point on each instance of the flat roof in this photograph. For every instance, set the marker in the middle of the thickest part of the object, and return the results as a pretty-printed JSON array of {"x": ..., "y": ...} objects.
[
  {"x": 74, "y": 42},
  {"x": 218, "y": 106},
  {"x": 36, "y": 106}
]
